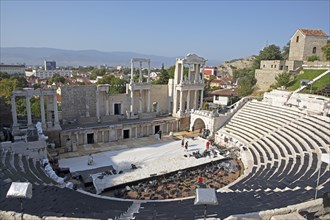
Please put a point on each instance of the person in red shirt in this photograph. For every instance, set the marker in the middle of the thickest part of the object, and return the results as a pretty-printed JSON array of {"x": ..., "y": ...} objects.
[{"x": 207, "y": 145}]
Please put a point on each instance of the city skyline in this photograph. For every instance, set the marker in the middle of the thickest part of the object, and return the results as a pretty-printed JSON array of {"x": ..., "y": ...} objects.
[{"x": 219, "y": 30}]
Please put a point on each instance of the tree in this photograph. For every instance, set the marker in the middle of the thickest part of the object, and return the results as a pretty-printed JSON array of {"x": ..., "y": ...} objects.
[
  {"x": 57, "y": 78},
  {"x": 4, "y": 75},
  {"x": 163, "y": 77},
  {"x": 6, "y": 88},
  {"x": 282, "y": 79},
  {"x": 37, "y": 85},
  {"x": 286, "y": 51},
  {"x": 117, "y": 85},
  {"x": 326, "y": 50},
  {"x": 171, "y": 71},
  {"x": 245, "y": 87},
  {"x": 35, "y": 106},
  {"x": 272, "y": 52},
  {"x": 20, "y": 82}
]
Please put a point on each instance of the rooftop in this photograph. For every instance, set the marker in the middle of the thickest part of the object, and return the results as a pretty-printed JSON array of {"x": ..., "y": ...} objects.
[{"x": 309, "y": 32}]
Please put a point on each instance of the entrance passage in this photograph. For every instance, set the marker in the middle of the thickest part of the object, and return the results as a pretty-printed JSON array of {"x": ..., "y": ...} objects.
[
  {"x": 157, "y": 128},
  {"x": 126, "y": 133},
  {"x": 90, "y": 138},
  {"x": 199, "y": 124}
]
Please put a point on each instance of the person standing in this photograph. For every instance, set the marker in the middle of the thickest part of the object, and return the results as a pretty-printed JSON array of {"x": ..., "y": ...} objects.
[
  {"x": 182, "y": 142},
  {"x": 207, "y": 145},
  {"x": 160, "y": 134},
  {"x": 186, "y": 146}
]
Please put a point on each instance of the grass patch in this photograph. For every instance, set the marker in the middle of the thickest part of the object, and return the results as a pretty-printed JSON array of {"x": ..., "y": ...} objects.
[{"x": 309, "y": 75}]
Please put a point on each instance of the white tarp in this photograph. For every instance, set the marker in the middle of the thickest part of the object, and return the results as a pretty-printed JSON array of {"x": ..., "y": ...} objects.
[
  {"x": 206, "y": 196},
  {"x": 51, "y": 173},
  {"x": 20, "y": 190}
]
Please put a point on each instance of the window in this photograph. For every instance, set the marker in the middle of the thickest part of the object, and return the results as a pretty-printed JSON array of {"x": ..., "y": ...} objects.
[
  {"x": 271, "y": 66},
  {"x": 117, "y": 108},
  {"x": 297, "y": 39},
  {"x": 314, "y": 49},
  {"x": 275, "y": 66}
]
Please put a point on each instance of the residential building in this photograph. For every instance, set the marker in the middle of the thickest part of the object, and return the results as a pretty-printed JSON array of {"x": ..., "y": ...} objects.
[{"x": 12, "y": 69}]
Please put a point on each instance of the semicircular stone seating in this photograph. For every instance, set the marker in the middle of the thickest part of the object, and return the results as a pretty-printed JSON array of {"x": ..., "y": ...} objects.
[{"x": 284, "y": 144}]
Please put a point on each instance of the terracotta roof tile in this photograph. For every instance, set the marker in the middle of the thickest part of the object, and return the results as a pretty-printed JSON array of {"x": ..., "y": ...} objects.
[
  {"x": 308, "y": 32},
  {"x": 225, "y": 92}
]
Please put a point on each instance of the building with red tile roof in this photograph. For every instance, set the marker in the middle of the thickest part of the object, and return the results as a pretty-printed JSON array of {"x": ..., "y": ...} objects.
[{"x": 306, "y": 43}]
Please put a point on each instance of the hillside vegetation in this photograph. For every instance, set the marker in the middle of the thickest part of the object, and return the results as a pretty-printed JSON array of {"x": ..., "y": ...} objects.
[{"x": 309, "y": 75}]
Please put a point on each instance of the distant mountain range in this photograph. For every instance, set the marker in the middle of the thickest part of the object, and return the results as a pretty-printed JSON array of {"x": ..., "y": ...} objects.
[{"x": 36, "y": 56}]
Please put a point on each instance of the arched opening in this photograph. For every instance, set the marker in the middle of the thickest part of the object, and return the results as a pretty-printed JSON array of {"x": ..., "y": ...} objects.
[
  {"x": 198, "y": 124},
  {"x": 314, "y": 49}
]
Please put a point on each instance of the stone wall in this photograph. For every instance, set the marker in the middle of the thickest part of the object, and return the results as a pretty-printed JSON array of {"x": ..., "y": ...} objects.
[
  {"x": 297, "y": 48},
  {"x": 318, "y": 43},
  {"x": 316, "y": 65},
  {"x": 159, "y": 94},
  {"x": 77, "y": 101},
  {"x": 265, "y": 78}
]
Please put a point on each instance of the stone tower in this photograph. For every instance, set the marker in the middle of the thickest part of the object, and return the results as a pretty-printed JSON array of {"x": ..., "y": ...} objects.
[{"x": 305, "y": 43}]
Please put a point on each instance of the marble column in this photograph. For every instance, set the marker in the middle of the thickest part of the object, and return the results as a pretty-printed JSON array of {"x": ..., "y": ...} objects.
[
  {"x": 188, "y": 101},
  {"x": 13, "y": 110},
  {"x": 140, "y": 101},
  {"x": 189, "y": 73},
  {"x": 181, "y": 72},
  {"x": 28, "y": 110},
  {"x": 175, "y": 101},
  {"x": 97, "y": 105},
  {"x": 77, "y": 138},
  {"x": 56, "y": 121},
  {"x": 95, "y": 136},
  {"x": 148, "y": 101},
  {"x": 201, "y": 104},
  {"x": 181, "y": 99},
  {"x": 197, "y": 73},
  {"x": 106, "y": 104},
  {"x": 42, "y": 111},
  {"x": 132, "y": 101},
  {"x": 195, "y": 100},
  {"x": 203, "y": 74},
  {"x": 132, "y": 71}
]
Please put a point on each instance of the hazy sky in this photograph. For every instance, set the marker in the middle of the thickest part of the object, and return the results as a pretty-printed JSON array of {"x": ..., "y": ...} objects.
[{"x": 219, "y": 30}]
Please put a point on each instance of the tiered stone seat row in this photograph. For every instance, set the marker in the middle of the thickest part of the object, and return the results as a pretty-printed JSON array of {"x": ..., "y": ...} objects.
[
  {"x": 283, "y": 148},
  {"x": 18, "y": 168}
]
